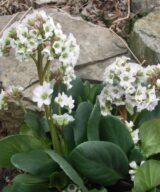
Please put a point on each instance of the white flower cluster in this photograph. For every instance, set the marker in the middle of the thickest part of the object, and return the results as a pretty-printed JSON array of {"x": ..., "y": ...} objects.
[
  {"x": 65, "y": 101},
  {"x": 38, "y": 31},
  {"x": 10, "y": 94},
  {"x": 63, "y": 120},
  {"x": 126, "y": 84}
]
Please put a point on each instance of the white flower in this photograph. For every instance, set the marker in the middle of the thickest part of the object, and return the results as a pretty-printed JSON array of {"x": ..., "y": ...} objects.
[
  {"x": 135, "y": 136},
  {"x": 49, "y": 27},
  {"x": 42, "y": 93},
  {"x": 126, "y": 78},
  {"x": 133, "y": 169},
  {"x": 66, "y": 58},
  {"x": 140, "y": 94},
  {"x": 129, "y": 125},
  {"x": 63, "y": 120},
  {"x": 58, "y": 45},
  {"x": 61, "y": 99},
  {"x": 133, "y": 165},
  {"x": 70, "y": 104},
  {"x": 65, "y": 101}
]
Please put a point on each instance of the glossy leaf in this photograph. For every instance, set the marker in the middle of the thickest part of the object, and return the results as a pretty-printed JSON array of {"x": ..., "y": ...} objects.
[
  {"x": 17, "y": 144},
  {"x": 98, "y": 190},
  {"x": 147, "y": 176},
  {"x": 77, "y": 90},
  {"x": 101, "y": 162},
  {"x": 93, "y": 123},
  {"x": 81, "y": 121},
  {"x": 35, "y": 124},
  {"x": 36, "y": 162},
  {"x": 59, "y": 180},
  {"x": 29, "y": 183},
  {"x": 136, "y": 155},
  {"x": 114, "y": 130},
  {"x": 8, "y": 189},
  {"x": 67, "y": 168},
  {"x": 150, "y": 137}
]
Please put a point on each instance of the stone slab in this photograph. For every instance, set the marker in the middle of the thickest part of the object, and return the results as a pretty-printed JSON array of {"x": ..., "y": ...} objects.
[{"x": 145, "y": 39}]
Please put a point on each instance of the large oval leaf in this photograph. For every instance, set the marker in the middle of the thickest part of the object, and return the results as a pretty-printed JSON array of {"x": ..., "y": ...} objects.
[
  {"x": 36, "y": 162},
  {"x": 17, "y": 144},
  {"x": 150, "y": 137},
  {"x": 29, "y": 183},
  {"x": 81, "y": 122},
  {"x": 147, "y": 176},
  {"x": 113, "y": 130},
  {"x": 67, "y": 168},
  {"x": 93, "y": 123},
  {"x": 102, "y": 162}
]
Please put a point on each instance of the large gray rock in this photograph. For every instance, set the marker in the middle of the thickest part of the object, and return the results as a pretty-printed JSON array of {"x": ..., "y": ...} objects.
[
  {"x": 98, "y": 45},
  {"x": 145, "y": 39},
  {"x": 144, "y": 5}
]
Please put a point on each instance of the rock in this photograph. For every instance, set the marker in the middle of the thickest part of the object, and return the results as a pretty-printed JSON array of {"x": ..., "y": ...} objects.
[
  {"x": 98, "y": 45},
  {"x": 144, "y": 5},
  {"x": 145, "y": 38}
]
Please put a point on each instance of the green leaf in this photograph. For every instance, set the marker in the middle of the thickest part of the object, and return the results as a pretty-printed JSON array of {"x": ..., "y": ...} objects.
[
  {"x": 16, "y": 144},
  {"x": 8, "y": 189},
  {"x": 113, "y": 130},
  {"x": 36, "y": 162},
  {"x": 136, "y": 155},
  {"x": 68, "y": 134},
  {"x": 77, "y": 90},
  {"x": 81, "y": 121},
  {"x": 98, "y": 190},
  {"x": 67, "y": 168},
  {"x": 150, "y": 137},
  {"x": 93, "y": 123},
  {"x": 29, "y": 183},
  {"x": 101, "y": 162},
  {"x": 59, "y": 180},
  {"x": 92, "y": 90},
  {"x": 147, "y": 176},
  {"x": 33, "y": 122}
]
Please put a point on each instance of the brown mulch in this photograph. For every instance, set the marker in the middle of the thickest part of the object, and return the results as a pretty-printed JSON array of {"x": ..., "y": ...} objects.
[{"x": 102, "y": 12}]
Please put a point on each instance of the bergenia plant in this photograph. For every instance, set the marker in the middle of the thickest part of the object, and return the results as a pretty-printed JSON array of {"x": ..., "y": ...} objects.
[{"x": 83, "y": 137}]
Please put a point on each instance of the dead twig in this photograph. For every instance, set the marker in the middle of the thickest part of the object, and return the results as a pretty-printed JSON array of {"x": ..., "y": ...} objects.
[
  {"x": 13, "y": 18},
  {"x": 8, "y": 24},
  {"x": 25, "y": 13},
  {"x": 126, "y": 45}
]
